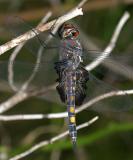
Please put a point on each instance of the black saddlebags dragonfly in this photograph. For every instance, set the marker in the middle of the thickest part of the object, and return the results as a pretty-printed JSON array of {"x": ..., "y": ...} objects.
[{"x": 65, "y": 58}]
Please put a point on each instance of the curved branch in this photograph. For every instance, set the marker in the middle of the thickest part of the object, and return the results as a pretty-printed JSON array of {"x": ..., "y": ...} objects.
[
  {"x": 104, "y": 96},
  {"x": 111, "y": 45},
  {"x": 21, "y": 96},
  {"x": 65, "y": 114},
  {"x": 15, "y": 53},
  {"x": 52, "y": 140}
]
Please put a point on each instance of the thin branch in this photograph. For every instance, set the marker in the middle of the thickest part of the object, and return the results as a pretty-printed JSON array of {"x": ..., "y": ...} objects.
[
  {"x": 82, "y": 3},
  {"x": 21, "y": 96},
  {"x": 111, "y": 45},
  {"x": 18, "y": 97},
  {"x": 52, "y": 140},
  {"x": 30, "y": 34},
  {"x": 10, "y": 67},
  {"x": 104, "y": 96},
  {"x": 15, "y": 53},
  {"x": 65, "y": 114},
  {"x": 33, "y": 116},
  {"x": 110, "y": 63},
  {"x": 36, "y": 132}
]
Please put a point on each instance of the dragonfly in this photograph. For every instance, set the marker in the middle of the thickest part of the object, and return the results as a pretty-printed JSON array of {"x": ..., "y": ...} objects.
[{"x": 64, "y": 57}]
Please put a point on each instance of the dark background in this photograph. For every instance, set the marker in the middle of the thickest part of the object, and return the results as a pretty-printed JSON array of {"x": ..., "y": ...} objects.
[{"x": 111, "y": 137}]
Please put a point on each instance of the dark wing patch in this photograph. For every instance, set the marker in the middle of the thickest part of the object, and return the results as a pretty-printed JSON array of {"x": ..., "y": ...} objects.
[
  {"x": 79, "y": 95},
  {"x": 82, "y": 76},
  {"x": 61, "y": 91}
]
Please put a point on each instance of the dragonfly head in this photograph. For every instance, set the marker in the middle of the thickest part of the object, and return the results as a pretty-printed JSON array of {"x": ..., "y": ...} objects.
[{"x": 68, "y": 31}]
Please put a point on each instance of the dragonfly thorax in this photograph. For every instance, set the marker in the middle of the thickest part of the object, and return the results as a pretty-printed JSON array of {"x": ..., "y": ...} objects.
[{"x": 71, "y": 51}]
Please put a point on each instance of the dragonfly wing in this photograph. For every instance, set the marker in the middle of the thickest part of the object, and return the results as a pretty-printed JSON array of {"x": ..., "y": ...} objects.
[
  {"x": 43, "y": 59},
  {"x": 37, "y": 56},
  {"x": 17, "y": 26},
  {"x": 22, "y": 72},
  {"x": 119, "y": 63},
  {"x": 116, "y": 69},
  {"x": 96, "y": 88}
]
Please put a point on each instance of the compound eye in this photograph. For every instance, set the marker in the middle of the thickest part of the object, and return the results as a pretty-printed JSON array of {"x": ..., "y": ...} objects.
[{"x": 75, "y": 34}]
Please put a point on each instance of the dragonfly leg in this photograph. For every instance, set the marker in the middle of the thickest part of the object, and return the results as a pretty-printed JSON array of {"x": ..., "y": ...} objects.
[{"x": 53, "y": 35}]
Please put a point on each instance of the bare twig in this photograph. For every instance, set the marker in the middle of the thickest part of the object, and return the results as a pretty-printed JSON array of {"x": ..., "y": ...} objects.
[
  {"x": 10, "y": 66},
  {"x": 104, "y": 96},
  {"x": 30, "y": 34},
  {"x": 33, "y": 116},
  {"x": 82, "y": 3},
  {"x": 21, "y": 96},
  {"x": 18, "y": 97},
  {"x": 65, "y": 114},
  {"x": 111, "y": 45},
  {"x": 36, "y": 132},
  {"x": 111, "y": 63},
  {"x": 13, "y": 57},
  {"x": 52, "y": 140}
]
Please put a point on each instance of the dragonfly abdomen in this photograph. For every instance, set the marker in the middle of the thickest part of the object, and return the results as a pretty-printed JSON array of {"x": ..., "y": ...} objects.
[{"x": 70, "y": 84}]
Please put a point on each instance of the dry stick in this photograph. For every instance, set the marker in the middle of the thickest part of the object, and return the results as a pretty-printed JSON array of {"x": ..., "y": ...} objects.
[
  {"x": 111, "y": 63},
  {"x": 47, "y": 142},
  {"x": 13, "y": 57},
  {"x": 18, "y": 97},
  {"x": 21, "y": 96},
  {"x": 111, "y": 45},
  {"x": 124, "y": 70},
  {"x": 102, "y": 97},
  {"x": 30, "y": 34},
  {"x": 82, "y": 3},
  {"x": 65, "y": 114},
  {"x": 10, "y": 103},
  {"x": 36, "y": 132}
]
